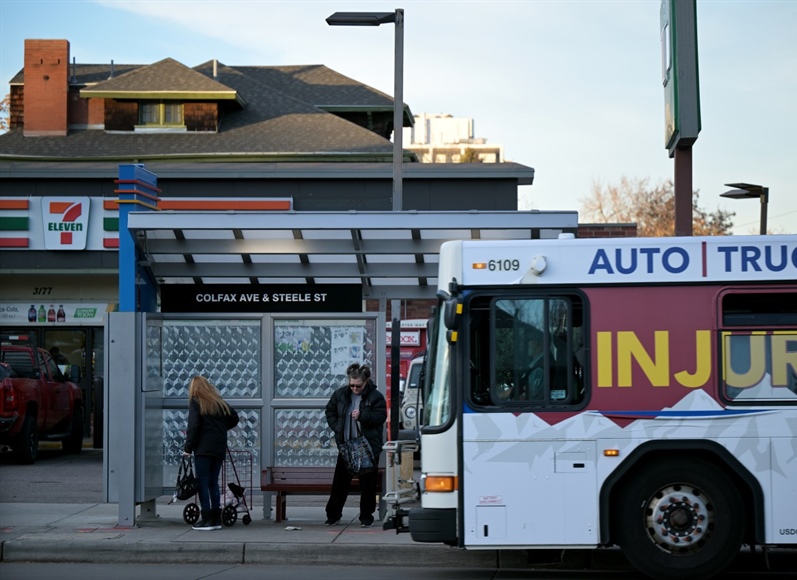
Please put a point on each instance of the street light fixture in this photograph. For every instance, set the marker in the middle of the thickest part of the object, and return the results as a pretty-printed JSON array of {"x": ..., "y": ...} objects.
[
  {"x": 745, "y": 191},
  {"x": 375, "y": 19}
]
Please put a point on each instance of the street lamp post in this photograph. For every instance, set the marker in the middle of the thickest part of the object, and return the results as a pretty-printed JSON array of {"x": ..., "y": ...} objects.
[
  {"x": 745, "y": 191},
  {"x": 375, "y": 19}
]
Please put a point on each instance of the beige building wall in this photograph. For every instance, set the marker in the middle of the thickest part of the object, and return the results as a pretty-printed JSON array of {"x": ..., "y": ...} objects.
[{"x": 442, "y": 138}]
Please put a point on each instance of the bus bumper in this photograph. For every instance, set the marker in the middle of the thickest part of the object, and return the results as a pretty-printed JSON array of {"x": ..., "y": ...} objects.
[{"x": 433, "y": 525}]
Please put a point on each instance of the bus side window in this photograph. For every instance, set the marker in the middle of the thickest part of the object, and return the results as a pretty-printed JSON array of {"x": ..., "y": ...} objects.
[
  {"x": 479, "y": 357},
  {"x": 751, "y": 320},
  {"x": 522, "y": 351},
  {"x": 578, "y": 371}
]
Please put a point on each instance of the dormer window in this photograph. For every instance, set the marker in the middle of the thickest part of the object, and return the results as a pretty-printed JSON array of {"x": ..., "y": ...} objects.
[{"x": 153, "y": 114}]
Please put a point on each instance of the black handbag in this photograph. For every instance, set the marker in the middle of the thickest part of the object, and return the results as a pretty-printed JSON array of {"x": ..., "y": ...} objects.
[
  {"x": 187, "y": 484},
  {"x": 358, "y": 455}
]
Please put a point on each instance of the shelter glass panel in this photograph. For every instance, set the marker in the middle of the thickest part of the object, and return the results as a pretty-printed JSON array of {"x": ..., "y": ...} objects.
[
  {"x": 226, "y": 352},
  {"x": 303, "y": 438},
  {"x": 245, "y": 436},
  {"x": 311, "y": 356}
]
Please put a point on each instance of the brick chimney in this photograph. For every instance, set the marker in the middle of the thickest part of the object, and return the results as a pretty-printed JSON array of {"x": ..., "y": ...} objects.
[{"x": 46, "y": 87}]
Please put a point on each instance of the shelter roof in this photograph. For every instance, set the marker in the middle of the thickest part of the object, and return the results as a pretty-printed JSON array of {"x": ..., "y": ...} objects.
[{"x": 393, "y": 255}]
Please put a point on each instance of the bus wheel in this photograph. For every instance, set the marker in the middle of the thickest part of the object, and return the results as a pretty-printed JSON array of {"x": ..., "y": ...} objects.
[{"x": 680, "y": 520}]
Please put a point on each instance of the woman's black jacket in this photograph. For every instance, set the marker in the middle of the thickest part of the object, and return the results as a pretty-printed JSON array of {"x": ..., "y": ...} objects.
[
  {"x": 207, "y": 434},
  {"x": 373, "y": 414}
]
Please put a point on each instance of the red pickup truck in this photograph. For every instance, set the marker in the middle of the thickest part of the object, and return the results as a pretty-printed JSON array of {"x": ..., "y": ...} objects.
[{"x": 37, "y": 400}]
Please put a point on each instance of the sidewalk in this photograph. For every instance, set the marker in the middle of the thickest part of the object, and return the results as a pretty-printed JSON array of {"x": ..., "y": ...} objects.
[
  {"x": 88, "y": 533},
  {"x": 37, "y": 532}
]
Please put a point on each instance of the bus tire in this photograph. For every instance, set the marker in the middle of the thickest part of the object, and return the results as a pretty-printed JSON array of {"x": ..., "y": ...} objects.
[
  {"x": 681, "y": 519},
  {"x": 433, "y": 525}
]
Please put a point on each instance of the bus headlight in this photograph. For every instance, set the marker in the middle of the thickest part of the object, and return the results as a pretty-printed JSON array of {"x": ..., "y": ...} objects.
[{"x": 410, "y": 412}]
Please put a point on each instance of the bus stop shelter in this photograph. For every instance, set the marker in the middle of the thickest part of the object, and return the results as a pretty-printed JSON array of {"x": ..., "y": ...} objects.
[{"x": 276, "y": 362}]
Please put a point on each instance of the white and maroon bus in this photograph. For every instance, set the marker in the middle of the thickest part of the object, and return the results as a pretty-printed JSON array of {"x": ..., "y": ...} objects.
[{"x": 581, "y": 393}]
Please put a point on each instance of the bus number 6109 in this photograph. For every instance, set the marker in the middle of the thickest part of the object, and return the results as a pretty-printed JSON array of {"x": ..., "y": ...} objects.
[{"x": 503, "y": 265}]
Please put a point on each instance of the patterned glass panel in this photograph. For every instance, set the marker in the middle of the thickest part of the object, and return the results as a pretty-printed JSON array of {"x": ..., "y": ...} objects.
[
  {"x": 303, "y": 438},
  {"x": 154, "y": 357},
  {"x": 245, "y": 436},
  {"x": 227, "y": 352},
  {"x": 311, "y": 356}
]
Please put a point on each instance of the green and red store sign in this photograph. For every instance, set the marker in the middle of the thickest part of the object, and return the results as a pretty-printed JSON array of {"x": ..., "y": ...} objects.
[
  {"x": 92, "y": 223},
  {"x": 59, "y": 223}
]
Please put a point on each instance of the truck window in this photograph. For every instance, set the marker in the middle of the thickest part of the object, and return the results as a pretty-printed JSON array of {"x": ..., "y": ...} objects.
[
  {"x": 20, "y": 361},
  {"x": 414, "y": 376},
  {"x": 52, "y": 369}
]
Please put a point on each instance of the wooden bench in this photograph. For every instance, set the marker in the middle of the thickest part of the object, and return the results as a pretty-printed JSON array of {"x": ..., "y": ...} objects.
[{"x": 285, "y": 481}]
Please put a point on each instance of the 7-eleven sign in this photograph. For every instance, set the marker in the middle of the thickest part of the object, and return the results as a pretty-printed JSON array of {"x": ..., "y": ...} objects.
[{"x": 65, "y": 221}]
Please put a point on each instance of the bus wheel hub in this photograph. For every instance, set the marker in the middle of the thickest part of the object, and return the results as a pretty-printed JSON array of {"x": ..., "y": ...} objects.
[{"x": 677, "y": 518}]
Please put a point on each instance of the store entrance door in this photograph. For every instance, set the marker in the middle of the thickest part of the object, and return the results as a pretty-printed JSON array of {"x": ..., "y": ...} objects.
[{"x": 82, "y": 347}]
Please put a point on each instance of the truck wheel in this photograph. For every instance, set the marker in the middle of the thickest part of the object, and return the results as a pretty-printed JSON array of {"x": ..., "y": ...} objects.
[
  {"x": 74, "y": 442},
  {"x": 680, "y": 520},
  {"x": 26, "y": 445}
]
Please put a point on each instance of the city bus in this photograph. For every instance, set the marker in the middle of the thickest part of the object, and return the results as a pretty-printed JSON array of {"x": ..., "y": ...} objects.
[{"x": 636, "y": 392}]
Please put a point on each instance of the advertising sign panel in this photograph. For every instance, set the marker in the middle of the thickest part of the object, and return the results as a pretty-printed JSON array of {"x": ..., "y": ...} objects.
[{"x": 65, "y": 222}]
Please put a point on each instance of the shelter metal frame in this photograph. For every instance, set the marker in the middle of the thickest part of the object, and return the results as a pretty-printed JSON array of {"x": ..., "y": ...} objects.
[{"x": 393, "y": 255}]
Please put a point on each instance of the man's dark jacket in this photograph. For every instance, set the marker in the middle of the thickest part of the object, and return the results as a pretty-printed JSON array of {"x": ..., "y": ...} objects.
[
  {"x": 373, "y": 414},
  {"x": 207, "y": 434}
]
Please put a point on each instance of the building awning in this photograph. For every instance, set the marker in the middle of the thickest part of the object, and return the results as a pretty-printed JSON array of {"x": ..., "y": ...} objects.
[{"x": 393, "y": 255}]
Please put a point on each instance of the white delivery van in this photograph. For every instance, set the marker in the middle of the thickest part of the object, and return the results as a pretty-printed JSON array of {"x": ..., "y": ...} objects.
[{"x": 412, "y": 405}]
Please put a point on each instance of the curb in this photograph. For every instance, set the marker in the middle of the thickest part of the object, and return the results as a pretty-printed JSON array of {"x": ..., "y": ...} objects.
[
  {"x": 388, "y": 555},
  {"x": 56, "y": 548}
]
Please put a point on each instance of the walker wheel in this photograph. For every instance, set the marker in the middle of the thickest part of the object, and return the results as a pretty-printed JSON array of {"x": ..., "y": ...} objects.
[
  {"x": 246, "y": 520},
  {"x": 229, "y": 515},
  {"x": 191, "y": 513}
]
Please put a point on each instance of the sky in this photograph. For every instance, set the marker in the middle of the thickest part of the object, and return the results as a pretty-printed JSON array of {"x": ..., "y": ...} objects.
[{"x": 570, "y": 88}]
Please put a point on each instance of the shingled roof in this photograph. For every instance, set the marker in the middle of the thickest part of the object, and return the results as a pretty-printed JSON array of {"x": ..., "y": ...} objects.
[
  {"x": 283, "y": 113},
  {"x": 168, "y": 78}
]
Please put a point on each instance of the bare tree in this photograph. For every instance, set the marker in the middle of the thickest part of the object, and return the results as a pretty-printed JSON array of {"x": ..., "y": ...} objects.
[
  {"x": 5, "y": 109},
  {"x": 651, "y": 208}
]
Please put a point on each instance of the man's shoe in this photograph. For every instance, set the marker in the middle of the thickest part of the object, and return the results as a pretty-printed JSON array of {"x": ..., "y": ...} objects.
[
  {"x": 332, "y": 522},
  {"x": 366, "y": 524}
]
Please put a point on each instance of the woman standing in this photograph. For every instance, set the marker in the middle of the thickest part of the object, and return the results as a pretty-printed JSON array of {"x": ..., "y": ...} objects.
[
  {"x": 356, "y": 406},
  {"x": 209, "y": 419}
]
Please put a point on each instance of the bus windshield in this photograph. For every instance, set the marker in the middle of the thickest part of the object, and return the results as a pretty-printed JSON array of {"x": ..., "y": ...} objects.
[{"x": 437, "y": 382}]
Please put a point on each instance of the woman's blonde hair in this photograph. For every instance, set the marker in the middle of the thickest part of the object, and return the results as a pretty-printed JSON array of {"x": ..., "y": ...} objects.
[{"x": 209, "y": 399}]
